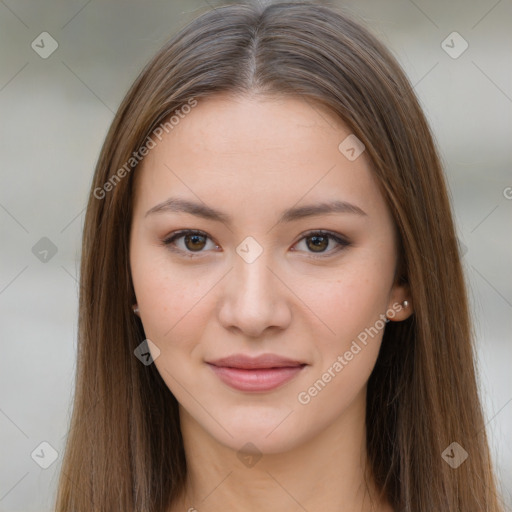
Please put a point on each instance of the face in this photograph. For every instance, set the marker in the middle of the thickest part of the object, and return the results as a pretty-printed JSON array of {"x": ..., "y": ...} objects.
[{"x": 267, "y": 310}]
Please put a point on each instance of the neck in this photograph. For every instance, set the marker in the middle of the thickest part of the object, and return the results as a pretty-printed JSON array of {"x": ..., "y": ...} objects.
[{"x": 326, "y": 473}]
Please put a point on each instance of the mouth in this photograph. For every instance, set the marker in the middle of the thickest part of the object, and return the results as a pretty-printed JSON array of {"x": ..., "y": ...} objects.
[{"x": 257, "y": 374}]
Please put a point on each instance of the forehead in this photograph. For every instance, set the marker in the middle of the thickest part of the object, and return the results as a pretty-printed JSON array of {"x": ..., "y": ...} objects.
[{"x": 256, "y": 154}]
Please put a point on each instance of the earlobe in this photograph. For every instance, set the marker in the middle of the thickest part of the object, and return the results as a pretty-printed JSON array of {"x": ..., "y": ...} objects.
[
  {"x": 135, "y": 308},
  {"x": 400, "y": 305},
  {"x": 400, "y": 311}
]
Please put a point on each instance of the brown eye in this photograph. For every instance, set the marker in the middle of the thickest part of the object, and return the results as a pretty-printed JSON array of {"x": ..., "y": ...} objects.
[
  {"x": 317, "y": 243},
  {"x": 195, "y": 242},
  {"x": 188, "y": 242}
]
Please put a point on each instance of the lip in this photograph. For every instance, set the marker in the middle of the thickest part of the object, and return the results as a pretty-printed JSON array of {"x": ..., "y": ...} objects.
[{"x": 262, "y": 373}]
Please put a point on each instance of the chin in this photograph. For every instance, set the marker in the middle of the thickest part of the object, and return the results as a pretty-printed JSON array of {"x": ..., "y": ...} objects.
[{"x": 265, "y": 433}]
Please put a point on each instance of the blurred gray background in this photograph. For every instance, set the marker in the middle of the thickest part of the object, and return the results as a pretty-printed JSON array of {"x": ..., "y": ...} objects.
[{"x": 55, "y": 111}]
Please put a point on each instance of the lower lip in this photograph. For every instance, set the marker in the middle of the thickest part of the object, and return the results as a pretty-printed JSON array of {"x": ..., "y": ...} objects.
[{"x": 255, "y": 380}]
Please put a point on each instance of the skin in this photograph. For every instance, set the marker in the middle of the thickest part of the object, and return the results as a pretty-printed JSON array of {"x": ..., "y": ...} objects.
[{"x": 252, "y": 157}]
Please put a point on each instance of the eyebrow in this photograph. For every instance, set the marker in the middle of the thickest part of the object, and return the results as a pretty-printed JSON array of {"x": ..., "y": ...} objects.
[{"x": 177, "y": 205}]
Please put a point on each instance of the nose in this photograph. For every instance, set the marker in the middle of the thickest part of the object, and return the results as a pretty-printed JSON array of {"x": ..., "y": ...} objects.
[{"x": 254, "y": 298}]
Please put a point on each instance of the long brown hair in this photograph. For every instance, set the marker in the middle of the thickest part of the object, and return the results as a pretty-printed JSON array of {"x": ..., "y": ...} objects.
[{"x": 124, "y": 450}]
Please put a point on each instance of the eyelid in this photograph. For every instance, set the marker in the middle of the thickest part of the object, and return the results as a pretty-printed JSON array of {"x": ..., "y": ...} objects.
[
  {"x": 341, "y": 240},
  {"x": 167, "y": 241},
  {"x": 181, "y": 232}
]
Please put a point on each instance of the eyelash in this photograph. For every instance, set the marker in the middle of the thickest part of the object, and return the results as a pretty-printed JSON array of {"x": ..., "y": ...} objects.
[{"x": 332, "y": 236}]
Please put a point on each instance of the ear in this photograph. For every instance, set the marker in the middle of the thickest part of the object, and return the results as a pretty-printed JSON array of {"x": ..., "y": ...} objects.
[
  {"x": 135, "y": 308},
  {"x": 400, "y": 305}
]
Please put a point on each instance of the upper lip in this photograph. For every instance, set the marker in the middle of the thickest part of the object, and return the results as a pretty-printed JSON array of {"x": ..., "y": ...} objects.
[{"x": 263, "y": 361}]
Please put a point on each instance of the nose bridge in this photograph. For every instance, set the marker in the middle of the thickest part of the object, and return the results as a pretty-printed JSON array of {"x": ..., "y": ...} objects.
[
  {"x": 252, "y": 278},
  {"x": 251, "y": 298}
]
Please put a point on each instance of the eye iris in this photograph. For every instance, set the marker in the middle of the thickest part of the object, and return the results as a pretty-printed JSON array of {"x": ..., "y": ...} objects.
[
  {"x": 320, "y": 242},
  {"x": 194, "y": 238}
]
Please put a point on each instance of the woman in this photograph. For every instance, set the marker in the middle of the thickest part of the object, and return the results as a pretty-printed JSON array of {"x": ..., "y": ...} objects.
[{"x": 272, "y": 308}]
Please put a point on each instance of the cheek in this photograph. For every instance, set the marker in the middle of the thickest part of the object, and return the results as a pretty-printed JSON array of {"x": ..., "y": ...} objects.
[
  {"x": 349, "y": 300},
  {"x": 346, "y": 358},
  {"x": 165, "y": 303},
  {"x": 353, "y": 307},
  {"x": 171, "y": 300}
]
